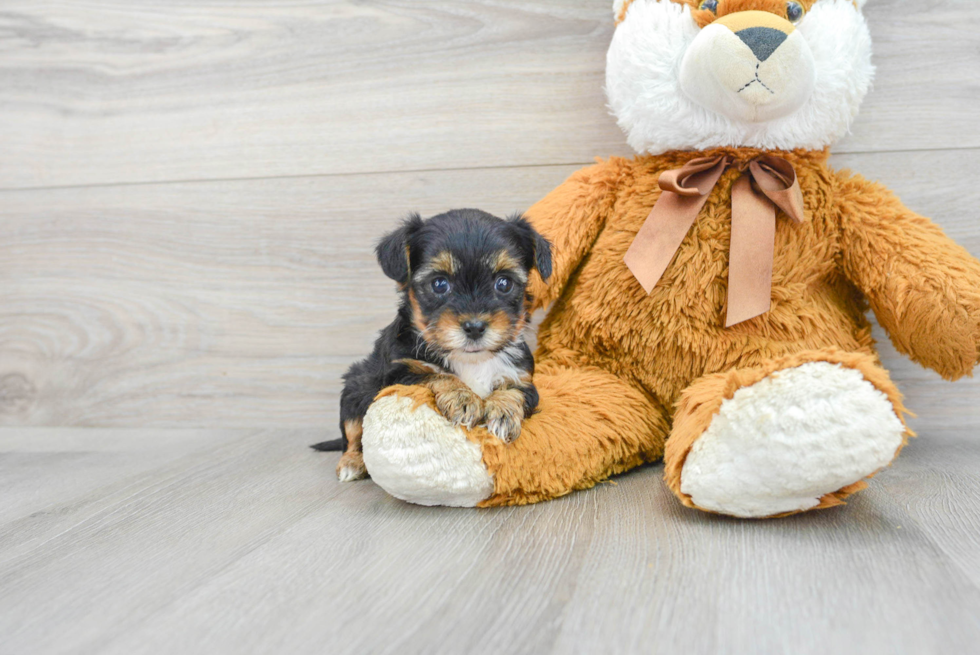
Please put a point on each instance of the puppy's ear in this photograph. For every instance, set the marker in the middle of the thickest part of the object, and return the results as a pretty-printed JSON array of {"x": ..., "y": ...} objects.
[
  {"x": 535, "y": 244},
  {"x": 392, "y": 250}
]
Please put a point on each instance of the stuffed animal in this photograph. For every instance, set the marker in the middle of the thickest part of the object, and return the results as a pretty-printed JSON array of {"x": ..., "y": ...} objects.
[{"x": 708, "y": 297}]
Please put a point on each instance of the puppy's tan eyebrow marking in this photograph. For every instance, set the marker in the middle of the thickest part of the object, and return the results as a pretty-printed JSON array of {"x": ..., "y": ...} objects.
[
  {"x": 504, "y": 261},
  {"x": 444, "y": 262}
]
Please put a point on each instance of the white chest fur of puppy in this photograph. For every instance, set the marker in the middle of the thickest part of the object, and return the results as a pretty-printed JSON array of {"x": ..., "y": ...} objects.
[{"x": 483, "y": 372}]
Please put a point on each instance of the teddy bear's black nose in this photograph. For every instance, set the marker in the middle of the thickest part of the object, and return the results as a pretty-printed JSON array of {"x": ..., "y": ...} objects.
[{"x": 763, "y": 41}]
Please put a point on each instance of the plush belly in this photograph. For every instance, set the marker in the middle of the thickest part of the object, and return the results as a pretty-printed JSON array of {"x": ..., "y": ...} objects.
[{"x": 676, "y": 334}]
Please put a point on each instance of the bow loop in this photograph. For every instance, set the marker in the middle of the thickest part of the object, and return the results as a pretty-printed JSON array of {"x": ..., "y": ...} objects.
[
  {"x": 776, "y": 179},
  {"x": 696, "y": 178},
  {"x": 767, "y": 182}
]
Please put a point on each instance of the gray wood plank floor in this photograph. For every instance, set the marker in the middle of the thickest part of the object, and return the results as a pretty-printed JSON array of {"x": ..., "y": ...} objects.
[
  {"x": 244, "y": 544},
  {"x": 189, "y": 194}
]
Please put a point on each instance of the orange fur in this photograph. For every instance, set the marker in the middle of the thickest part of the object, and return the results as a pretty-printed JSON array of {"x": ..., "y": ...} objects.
[
  {"x": 704, "y": 16},
  {"x": 663, "y": 342},
  {"x": 590, "y": 425},
  {"x": 923, "y": 287},
  {"x": 858, "y": 245},
  {"x": 616, "y": 367}
]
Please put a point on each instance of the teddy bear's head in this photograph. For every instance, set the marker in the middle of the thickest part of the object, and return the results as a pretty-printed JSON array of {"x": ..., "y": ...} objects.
[{"x": 698, "y": 74}]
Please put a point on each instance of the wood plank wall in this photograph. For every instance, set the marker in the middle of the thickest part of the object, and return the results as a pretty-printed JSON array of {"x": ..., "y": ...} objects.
[{"x": 190, "y": 190}]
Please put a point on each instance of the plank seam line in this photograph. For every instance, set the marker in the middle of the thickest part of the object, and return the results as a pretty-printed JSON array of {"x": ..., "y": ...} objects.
[{"x": 300, "y": 176}]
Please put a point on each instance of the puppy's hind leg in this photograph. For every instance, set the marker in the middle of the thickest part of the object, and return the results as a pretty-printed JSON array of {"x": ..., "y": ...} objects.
[{"x": 351, "y": 465}]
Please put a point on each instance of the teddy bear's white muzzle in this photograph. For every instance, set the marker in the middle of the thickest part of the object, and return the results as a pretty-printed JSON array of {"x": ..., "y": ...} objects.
[{"x": 754, "y": 74}]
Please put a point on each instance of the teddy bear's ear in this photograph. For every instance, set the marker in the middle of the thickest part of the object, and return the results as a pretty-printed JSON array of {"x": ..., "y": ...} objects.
[{"x": 620, "y": 7}]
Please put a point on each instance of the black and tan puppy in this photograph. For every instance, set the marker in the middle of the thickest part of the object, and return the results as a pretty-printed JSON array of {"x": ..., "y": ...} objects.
[{"x": 460, "y": 327}]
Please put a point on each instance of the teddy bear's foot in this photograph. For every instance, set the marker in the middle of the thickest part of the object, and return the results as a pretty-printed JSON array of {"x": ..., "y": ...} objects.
[
  {"x": 415, "y": 454},
  {"x": 797, "y": 438},
  {"x": 590, "y": 424}
]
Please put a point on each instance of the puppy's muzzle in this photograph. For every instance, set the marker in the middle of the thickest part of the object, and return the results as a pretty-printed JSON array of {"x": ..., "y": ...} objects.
[
  {"x": 474, "y": 328},
  {"x": 750, "y": 65}
]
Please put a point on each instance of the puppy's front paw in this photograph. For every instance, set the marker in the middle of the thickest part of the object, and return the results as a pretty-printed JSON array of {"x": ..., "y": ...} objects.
[
  {"x": 503, "y": 413},
  {"x": 460, "y": 405},
  {"x": 351, "y": 467}
]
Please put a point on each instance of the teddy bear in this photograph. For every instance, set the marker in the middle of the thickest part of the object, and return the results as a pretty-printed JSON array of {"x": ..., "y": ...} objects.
[{"x": 708, "y": 297}]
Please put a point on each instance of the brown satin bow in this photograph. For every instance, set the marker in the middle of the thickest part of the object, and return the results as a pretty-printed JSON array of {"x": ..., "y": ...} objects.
[{"x": 767, "y": 182}]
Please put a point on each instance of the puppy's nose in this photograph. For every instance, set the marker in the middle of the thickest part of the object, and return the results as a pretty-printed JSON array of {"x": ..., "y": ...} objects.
[
  {"x": 474, "y": 329},
  {"x": 762, "y": 41}
]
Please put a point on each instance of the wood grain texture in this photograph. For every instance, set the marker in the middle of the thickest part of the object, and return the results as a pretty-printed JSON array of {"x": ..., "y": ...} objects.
[
  {"x": 203, "y": 274},
  {"x": 249, "y": 545},
  {"x": 234, "y": 303},
  {"x": 111, "y": 91},
  {"x": 241, "y": 303},
  {"x": 40, "y": 467}
]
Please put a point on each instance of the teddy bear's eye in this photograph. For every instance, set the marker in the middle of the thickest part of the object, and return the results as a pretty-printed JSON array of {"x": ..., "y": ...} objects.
[
  {"x": 712, "y": 5},
  {"x": 794, "y": 12}
]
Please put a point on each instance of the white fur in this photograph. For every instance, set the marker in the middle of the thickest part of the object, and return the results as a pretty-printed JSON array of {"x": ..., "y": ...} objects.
[
  {"x": 721, "y": 73},
  {"x": 618, "y": 7},
  {"x": 781, "y": 444},
  {"x": 418, "y": 456},
  {"x": 483, "y": 373},
  {"x": 643, "y": 82}
]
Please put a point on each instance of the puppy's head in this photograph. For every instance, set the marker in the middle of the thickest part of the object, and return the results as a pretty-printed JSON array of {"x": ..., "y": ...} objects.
[{"x": 465, "y": 276}]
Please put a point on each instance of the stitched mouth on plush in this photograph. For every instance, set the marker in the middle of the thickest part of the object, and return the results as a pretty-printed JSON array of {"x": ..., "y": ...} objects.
[
  {"x": 751, "y": 66},
  {"x": 744, "y": 75}
]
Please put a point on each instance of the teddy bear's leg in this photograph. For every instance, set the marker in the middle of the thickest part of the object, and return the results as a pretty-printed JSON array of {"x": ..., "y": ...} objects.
[
  {"x": 798, "y": 433},
  {"x": 589, "y": 425}
]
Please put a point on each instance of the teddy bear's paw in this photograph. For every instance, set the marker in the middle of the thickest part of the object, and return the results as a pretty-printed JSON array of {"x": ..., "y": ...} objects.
[
  {"x": 351, "y": 467},
  {"x": 784, "y": 443},
  {"x": 417, "y": 455}
]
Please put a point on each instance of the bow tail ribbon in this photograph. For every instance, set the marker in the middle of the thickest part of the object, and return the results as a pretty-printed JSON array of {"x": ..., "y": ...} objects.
[
  {"x": 685, "y": 191},
  {"x": 767, "y": 183}
]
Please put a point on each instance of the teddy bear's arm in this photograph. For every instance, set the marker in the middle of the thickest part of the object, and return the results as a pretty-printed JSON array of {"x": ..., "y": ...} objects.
[
  {"x": 923, "y": 287},
  {"x": 571, "y": 218}
]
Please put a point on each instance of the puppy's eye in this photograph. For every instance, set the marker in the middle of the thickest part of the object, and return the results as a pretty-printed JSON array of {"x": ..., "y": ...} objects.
[
  {"x": 503, "y": 285},
  {"x": 794, "y": 12},
  {"x": 440, "y": 286},
  {"x": 710, "y": 5}
]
